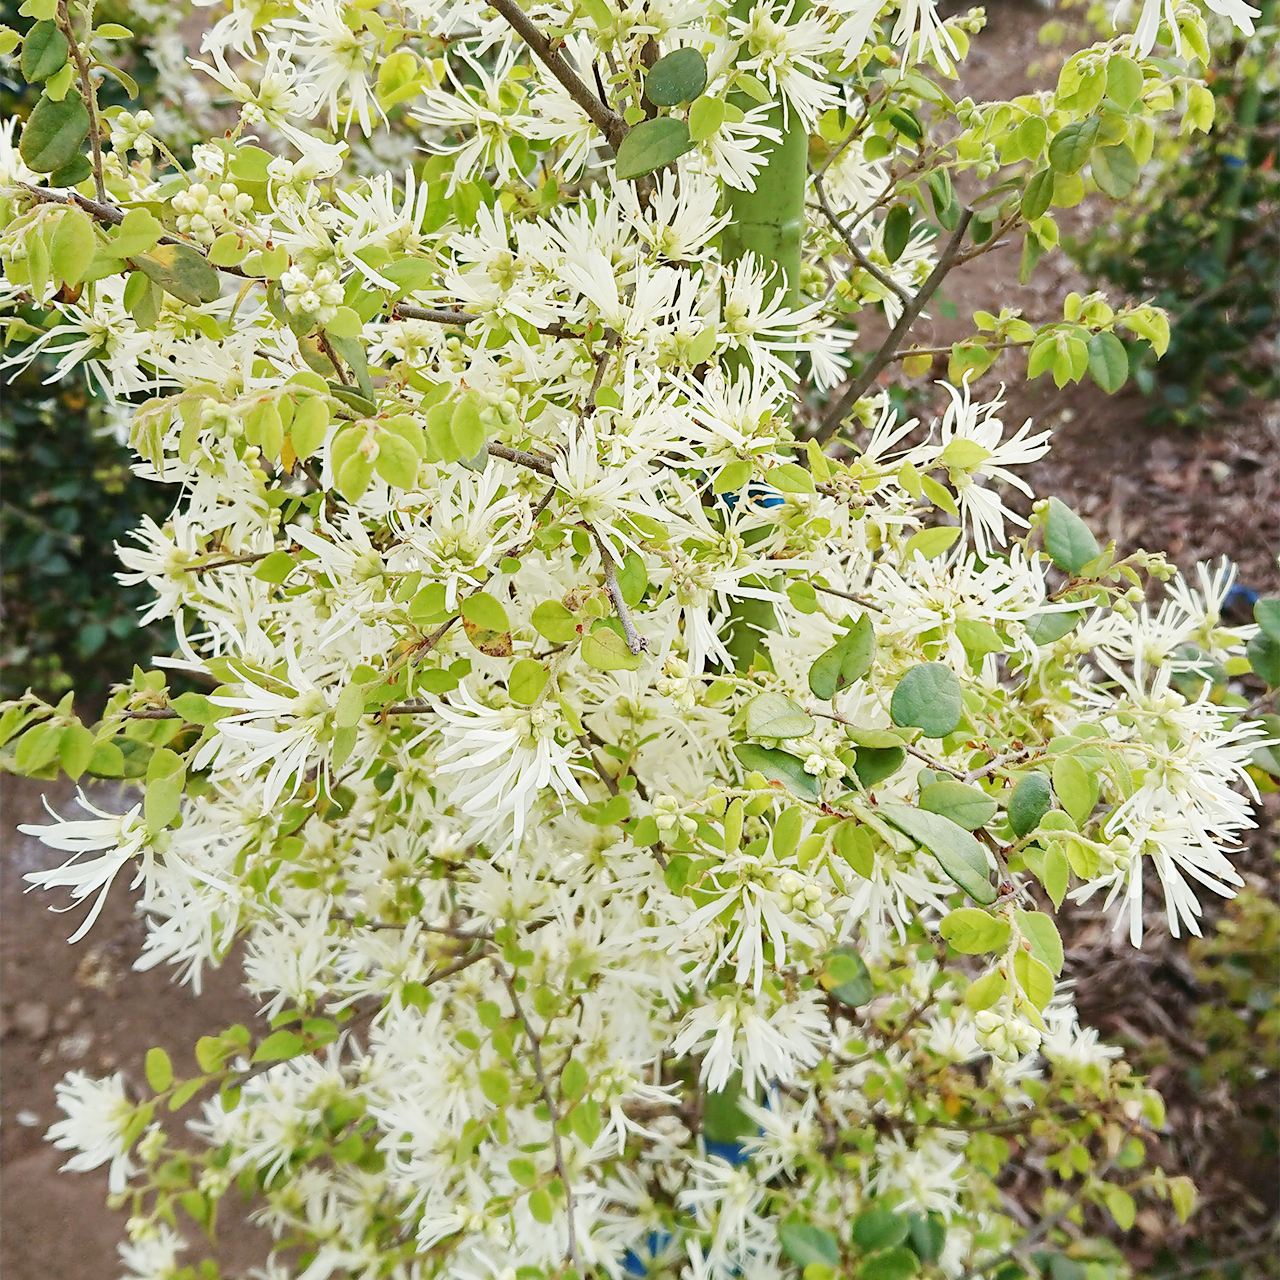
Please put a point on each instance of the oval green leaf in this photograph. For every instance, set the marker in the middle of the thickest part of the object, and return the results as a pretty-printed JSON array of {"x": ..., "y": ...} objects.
[
  {"x": 1029, "y": 803},
  {"x": 53, "y": 133},
  {"x": 928, "y": 698},
  {"x": 678, "y": 77},
  {"x": 650, "y": 145}
]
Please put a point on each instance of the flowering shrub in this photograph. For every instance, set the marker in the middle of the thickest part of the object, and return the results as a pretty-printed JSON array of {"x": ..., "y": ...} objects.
[{"x": 641, "y": 768}]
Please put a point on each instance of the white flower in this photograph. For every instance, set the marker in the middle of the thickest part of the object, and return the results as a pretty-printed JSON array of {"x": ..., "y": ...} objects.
[
  {"x": 123, "y": 834},
  {"x": 97, "y": 1114},
  {"x": 501, "y": 760}
]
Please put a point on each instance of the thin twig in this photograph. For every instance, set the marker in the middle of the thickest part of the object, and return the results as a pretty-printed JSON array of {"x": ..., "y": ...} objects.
[
  {"x": 831, "y": 424},
  {"x": 849, "y": 595},
  {"x": 608, "y": 121},
  {"x": 852, "y": 245},
  {"x": 90, "y": 97},
  {"x": 636, "y": 643},
  {"x": 535, "y": 1052}
]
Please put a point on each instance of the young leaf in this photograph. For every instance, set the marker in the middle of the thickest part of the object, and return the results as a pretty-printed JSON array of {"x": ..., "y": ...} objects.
[
  {"x": 1067, "y": 538},
  {"x": 774, "y": 715}
]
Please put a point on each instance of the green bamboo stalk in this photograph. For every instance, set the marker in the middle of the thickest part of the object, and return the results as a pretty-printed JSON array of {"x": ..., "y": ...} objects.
[{"x": 769, "y": 221}]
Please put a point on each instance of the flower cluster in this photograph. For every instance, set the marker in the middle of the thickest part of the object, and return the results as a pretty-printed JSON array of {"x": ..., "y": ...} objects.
[{"x": 639, "y": 785}]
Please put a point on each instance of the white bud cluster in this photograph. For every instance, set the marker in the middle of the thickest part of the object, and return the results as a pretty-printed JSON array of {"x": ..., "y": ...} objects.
[
  {"x": 129, "y": 131},
  {"x": 666, "y": 814},
  {"x": 203, "y": 214},
  {"x": 317, "y": 293},
  {"x": 1005, "y": 1037}
]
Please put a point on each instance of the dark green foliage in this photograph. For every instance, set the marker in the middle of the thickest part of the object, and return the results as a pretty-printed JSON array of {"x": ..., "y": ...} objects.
[
  {"x": 1204, "y": 244},
  {"x": 69, "y": 496}
]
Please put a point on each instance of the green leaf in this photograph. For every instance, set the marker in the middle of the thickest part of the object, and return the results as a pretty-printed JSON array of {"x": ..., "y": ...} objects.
[
  {"x": 847, "y": 661},
  {"x": 928, "y": 698},
  {"x": 1124, "y": 81},
  {"x": 650, "y": 145},
  {"x": 874, "y": 764},
  {"x": 957, "y": 852},
  {"x": 180, "y": 270},
  {"x": 496, "y": 1086},
  {"x": 1067, "y": 538},
  {"x": 159, "y": 1070},
  {"x": 931, "y": 543},
  {"x": 1075, "y": 787},
  {"x": 1029, "y": 803},
  {"x": 975, "y": 932},
  {"x": 791, "y": 477},
  {"x": 523, "y": 1172},
  {"x": 485, "y": 612},
  {"x": 139, "y": 231},
  {"x": 846, "y": 977},
  {"x": 854, "y": 842},
  {"x": 1266, "y": 613},
  {"x": 1038, "y": 929},
  {"x": 774, "y": 715},
  {"x": 573, "y": 1080},
  {"x": 705, "y": 118},
  {"x": 804, "y": 1243},
  {"x": 1045, "y": 628},
  {"x": 779, "y": 766},
  {"x": 1114, "y": 170},
  {"x": 928, "y": 1236},
  {"x": 967, "y": 806},
  {"x": 527, "y": 680},
  {"x": 166, "y": 776},
  {"x": 984, "y": 992},
  {"x": 604, "y": 648},
  {"x": 1034, "y": 977},
  {"x": 44, "y": 51},
  {"x": 1263, "y": 653},
  {"x": 1108, "y": 362},
  {"x": 1053, "y": 874},
  {"x": 53, "y": 133},
  {"x": 397, "y": 461},
  {"x": 897, "y": 231},
  {"x": 1072, "y": 144},
  {"x": 1120, "y": 1206},
  {"x": 890, "y": 1264},
  {"x": 1038, "y": 195},
  {"x": 76, "y": 746},
  {"x": 278, "y": 1046},
  {"x": 879, "y": 1229},
  {"x": 353, "y": 476},
  {"x": 72, "y": 247},
  {"x": 552, "y": 620},
  {"x": 678, "y": 77}
]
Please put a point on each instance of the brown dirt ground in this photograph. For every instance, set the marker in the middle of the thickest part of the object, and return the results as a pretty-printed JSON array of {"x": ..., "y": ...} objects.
[{"x": 1192, "y": 496}]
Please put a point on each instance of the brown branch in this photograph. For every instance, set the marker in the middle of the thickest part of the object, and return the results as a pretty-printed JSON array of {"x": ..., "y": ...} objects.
[
  {"x": 534, "y": 461},
  {"x": 608, "y": 121},
  {"x": 437, "y": 315},
  {"x": 831, "y": 423},
  {"x": 849, "y": 243}
]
